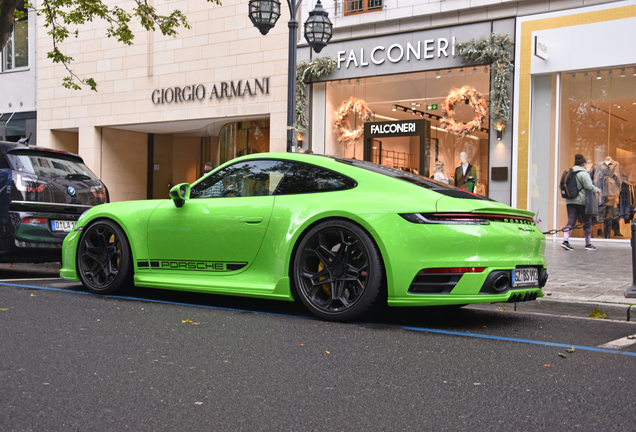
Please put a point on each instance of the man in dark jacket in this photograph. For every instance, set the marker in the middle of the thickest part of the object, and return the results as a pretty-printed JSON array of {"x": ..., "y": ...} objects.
[{"x": 576, "y": 205}]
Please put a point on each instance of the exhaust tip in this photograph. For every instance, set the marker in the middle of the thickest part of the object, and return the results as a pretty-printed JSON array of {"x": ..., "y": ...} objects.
[
  {"x": 543, "y": 278},
  {"x": 501, "y": 282}
]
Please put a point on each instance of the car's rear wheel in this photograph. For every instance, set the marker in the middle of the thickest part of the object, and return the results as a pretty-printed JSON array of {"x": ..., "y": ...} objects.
[
  {"x": 338, "y": 271},
  {"x": 104, "y": 260}
]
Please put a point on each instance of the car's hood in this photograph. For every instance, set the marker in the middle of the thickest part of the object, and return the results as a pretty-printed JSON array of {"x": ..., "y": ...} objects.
[{"x": 458, "y": 205}]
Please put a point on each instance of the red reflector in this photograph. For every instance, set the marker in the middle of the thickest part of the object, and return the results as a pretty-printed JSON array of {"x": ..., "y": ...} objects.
[
  {"x": 34, "y": 221},
  {"x": 454, "y": 270}
]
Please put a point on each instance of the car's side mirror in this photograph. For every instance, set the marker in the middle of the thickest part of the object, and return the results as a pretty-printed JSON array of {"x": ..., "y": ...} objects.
[{"x": 180, "y": 193}]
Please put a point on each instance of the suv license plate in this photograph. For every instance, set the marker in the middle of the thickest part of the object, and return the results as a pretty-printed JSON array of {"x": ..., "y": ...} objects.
[
  {"x": 525, "y": 277},
  {"x": 63, "y": 225}
]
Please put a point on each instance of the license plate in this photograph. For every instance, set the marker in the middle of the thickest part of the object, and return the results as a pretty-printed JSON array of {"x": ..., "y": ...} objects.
[
  {"x": 524, "y": 277},
  {"x": 63, "y": 225}
]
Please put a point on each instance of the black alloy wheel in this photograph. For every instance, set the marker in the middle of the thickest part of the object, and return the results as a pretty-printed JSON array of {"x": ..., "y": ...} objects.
[
  {"x": 338, "y": 271},
  {"x": 104, "y": 260}
]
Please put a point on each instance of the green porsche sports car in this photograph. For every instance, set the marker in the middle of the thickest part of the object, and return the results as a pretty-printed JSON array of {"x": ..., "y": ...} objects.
[{"x": 343, "y": 236}]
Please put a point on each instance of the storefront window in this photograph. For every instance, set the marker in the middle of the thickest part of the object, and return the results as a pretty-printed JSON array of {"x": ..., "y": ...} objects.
[
  {"x": 16, "y": 51},
  {"x": 598, "y": 120},
  {"x": 242, "y": 138},
  {"x": 425, "y": 147}
]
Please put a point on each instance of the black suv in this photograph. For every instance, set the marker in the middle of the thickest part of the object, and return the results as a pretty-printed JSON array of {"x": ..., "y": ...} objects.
[{"x": 43, "y": 192}]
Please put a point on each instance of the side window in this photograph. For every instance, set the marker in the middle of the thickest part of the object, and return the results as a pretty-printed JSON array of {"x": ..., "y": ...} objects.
[
  {"x": 243, "y": 179},
  {"x": 306, "y": 178}
]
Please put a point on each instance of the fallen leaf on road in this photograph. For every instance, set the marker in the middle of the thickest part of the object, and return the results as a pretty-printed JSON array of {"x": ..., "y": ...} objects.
[
  {"x": 327, "y": 352},
  {"x": 501, "y": 309},
  {"x": 596, "y": 313},
  {"x": 1, "y": 309},
  {"x": 186, "y": 321},
  {"x": 562, "y": 355},
  {"x": 546, "y": 365},
  {"x": 570, "y": 350},
  {"x": 32, "y": 295}
]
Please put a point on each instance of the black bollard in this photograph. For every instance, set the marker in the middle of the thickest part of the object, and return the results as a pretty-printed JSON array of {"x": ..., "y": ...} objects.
[{"x": 631, "y": 293}]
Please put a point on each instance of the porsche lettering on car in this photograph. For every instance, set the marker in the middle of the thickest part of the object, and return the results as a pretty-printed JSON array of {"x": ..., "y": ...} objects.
[{"x": 343, "y": 236}]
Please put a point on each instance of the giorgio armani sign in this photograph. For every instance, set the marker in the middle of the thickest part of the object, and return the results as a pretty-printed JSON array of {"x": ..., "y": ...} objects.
[{"x": 222, "y": 90}]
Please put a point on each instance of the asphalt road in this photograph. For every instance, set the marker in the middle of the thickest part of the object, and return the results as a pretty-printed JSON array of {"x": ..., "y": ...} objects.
[{"x": 70, "y": 360}]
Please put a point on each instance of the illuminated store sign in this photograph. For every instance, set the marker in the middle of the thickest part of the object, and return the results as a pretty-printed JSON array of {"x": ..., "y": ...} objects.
[
  {"x": 394, "y": 128},
  {"x": 222, "y": 90},
  {"x": 423, "y": 49}
]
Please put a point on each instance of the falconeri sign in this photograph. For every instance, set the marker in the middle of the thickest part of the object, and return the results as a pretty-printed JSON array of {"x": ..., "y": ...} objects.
[
  {"x": 427, "y": 49},
  {"x": 394, "y": 128},
  {"x": 222, "y": 90}
]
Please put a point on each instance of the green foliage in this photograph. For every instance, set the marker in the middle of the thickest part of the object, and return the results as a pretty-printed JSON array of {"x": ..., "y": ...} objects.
[
  {"x": 496, "y": 51},
  {"x": 306, "y": 71},
  {"x": 63, "y": 17}
]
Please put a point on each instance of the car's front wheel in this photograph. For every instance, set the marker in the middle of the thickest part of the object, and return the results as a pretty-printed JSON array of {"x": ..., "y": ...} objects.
[
  {"x": 338, "y": 271},
  {"x": 104, "y": 260}
]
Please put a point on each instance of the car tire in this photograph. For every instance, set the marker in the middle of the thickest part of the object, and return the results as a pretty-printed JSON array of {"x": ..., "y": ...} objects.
[
  {"x": 104, "y": 259},
  {"x": 338, "y": 271}
]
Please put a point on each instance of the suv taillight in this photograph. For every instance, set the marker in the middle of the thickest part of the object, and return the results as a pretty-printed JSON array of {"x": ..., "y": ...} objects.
[{"x": 34, "y": 221}]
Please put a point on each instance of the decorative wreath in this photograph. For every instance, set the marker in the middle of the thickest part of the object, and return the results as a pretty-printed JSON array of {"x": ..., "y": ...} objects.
[
  {"x": 347, "y": 135},
  {"x": 470, "y": 96}
]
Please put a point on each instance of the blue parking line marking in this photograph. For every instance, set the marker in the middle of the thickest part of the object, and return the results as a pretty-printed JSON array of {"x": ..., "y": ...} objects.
[
  {"x": 527, "y": 341},
  {"x": 419, "y": 329}
]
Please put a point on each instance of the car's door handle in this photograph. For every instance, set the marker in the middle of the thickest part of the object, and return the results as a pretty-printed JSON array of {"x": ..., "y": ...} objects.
[{"x": 252, "y": 219}]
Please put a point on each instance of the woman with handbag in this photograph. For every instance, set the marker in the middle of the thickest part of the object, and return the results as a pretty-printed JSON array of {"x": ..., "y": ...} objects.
[{"x": 576, "y": 205}]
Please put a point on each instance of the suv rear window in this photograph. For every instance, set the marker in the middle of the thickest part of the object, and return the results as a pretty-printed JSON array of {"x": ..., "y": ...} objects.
[
  {"x": 48, "y": 176},
  {"x": 47, "y": 164}
]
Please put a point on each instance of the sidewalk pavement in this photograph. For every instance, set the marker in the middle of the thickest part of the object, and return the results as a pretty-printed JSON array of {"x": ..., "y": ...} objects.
[{"x": 579, "y": 281}]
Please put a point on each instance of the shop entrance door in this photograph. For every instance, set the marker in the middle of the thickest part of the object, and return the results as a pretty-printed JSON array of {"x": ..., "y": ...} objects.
[{"x": 401, "y": 144}]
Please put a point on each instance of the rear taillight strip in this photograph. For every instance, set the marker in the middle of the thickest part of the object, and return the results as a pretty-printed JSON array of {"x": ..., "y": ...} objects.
[{"x": 464, "y": 218}]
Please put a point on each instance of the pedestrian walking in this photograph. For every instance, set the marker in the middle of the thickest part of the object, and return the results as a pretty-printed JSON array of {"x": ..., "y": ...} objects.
[{"x": 576, "y": 205}]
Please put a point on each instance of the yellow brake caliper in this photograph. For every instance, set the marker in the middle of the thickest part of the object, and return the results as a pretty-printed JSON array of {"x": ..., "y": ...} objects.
[
  {"x": 325, "y": 287},
  {"x": 111, "y": 240}
]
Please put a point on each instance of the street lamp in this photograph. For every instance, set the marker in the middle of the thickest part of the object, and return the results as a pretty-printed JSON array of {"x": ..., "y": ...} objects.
[{"x": 318, "y": 32}]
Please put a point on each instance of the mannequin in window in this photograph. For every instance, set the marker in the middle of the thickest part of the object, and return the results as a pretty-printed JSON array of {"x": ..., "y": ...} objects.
[
  {"x": 607, "y": 178},
  {"x": 440, "y": 174},
  {"x": 465, "y": 174}
]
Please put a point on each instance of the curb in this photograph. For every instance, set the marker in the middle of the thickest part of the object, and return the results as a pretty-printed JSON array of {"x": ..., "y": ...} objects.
[{"x": 582, "y": 309}]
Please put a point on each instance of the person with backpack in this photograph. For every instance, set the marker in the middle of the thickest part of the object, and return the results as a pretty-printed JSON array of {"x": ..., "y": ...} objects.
[{"x": 575, "y": 202}]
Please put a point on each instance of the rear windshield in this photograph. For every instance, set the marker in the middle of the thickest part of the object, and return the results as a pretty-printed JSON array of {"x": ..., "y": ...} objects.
[
  {"x": 415, "y": 179},
  {"x": 46, "y": 165},
  {"x": 43, "y": 176}
]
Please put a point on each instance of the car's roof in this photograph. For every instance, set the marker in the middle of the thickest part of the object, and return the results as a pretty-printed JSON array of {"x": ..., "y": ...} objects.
[
  {"x": 9, "y": 147},
  {"x": 359, "y": 168}
]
